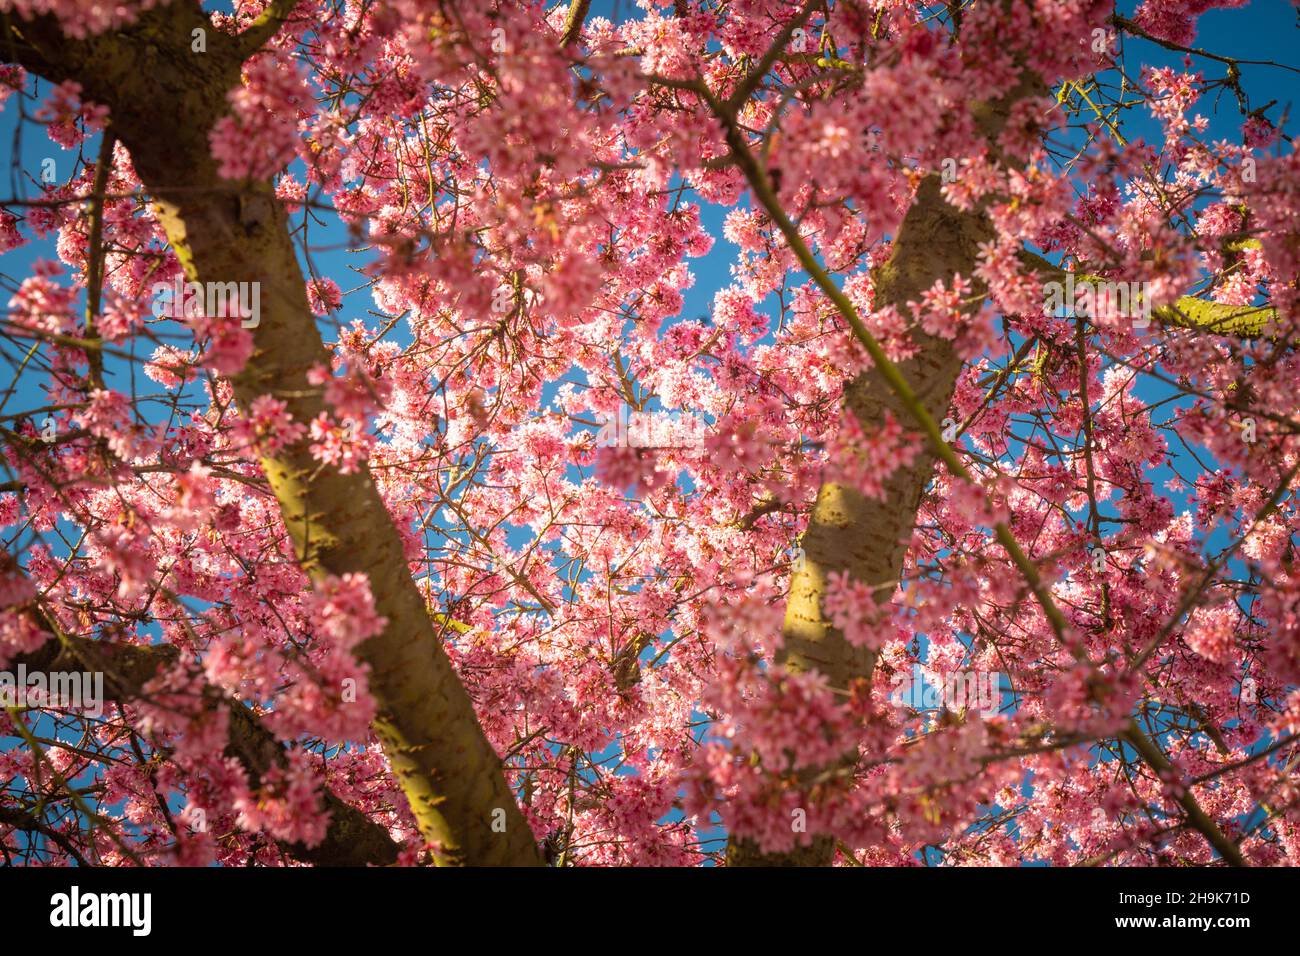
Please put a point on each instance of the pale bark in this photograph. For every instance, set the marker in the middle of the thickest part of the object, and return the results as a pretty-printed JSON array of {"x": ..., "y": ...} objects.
[
  {"x": 867, "y": 537},
  {"x": 941, "y": 239},
  {"x": 847, "y": 532},
  {"x": 163, "y": 100}
]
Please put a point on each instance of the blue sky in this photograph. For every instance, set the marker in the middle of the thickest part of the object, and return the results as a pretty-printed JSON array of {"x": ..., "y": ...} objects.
[{"x": 1264, "y": 31}]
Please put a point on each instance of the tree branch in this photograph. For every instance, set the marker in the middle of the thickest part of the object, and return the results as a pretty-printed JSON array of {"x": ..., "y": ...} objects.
[
  {"x": 574, "y": 21},
  {"x": 267, "y": 25},
  {"x": 1189, "y": 312},
  {"x": 991, "y": 117},
  {"x": 95, "y": 253},
  {"x": 351, "y": 840}
]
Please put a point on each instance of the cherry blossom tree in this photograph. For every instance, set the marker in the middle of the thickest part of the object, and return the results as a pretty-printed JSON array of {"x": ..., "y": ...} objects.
[{"x": 959, "y": 530}]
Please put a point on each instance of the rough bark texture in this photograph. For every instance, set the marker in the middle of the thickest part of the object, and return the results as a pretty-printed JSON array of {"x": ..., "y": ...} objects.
[{"x": 163, "y": 100}]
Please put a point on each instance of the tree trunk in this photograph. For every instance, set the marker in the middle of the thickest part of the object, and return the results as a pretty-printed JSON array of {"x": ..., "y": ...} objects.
[
  {"x": 163, "y": 100},
  {"x": 868, "y": 537}
]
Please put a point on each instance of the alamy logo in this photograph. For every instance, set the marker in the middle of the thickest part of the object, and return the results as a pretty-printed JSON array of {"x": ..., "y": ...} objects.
[
  {"x": 1103, "y": 299},
  {"x": 72, "y": 690},
  {"x": 631, "y": 429},
  {"x": 976, "y": 691},
  {"x": 134, "y": 910},
  {"x": 181, "y": 299}
]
